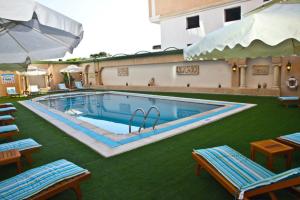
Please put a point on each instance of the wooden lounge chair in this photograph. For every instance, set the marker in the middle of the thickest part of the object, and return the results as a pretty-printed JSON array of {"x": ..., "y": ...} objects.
[
  {"x": 8, "y": 131},
  {"x": 12, "y": 92},
  {"x": 34, "y": 90},
  {"x": 6, "y": 119},
  {"x": 6, "y": 105},
  {"x": 8, "y": 111},
  {"x": 57, "y": 176},
  {"x": 26, "y": 147},
  {"x": 62, "y": 87},
  {"x": 240, "y": 176},
  {"x": 292, "y": 140},
  {"x": 289, "y": 100}
]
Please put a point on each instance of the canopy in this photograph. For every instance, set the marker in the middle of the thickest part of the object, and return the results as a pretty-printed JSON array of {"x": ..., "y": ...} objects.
[
  {"x": 71, "y": 69},
  {"x": 35, "y": 71},
  {"x": 272, "y": 30},
  {"x": 31, "y": 30}
]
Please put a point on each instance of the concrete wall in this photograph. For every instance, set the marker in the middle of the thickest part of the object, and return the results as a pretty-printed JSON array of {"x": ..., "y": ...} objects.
[
  {"x": 163, "y": 69},
  {"x": 17, "y": 84},
  {"x": 175, "y": 7},
  {"x": 212, "y": 73},
  {"x": 252, "y": 81},
  {"x": 175, "y": 34}
]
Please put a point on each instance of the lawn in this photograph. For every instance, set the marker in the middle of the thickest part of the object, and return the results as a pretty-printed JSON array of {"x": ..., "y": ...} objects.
[{"x": 163, "y": 170}]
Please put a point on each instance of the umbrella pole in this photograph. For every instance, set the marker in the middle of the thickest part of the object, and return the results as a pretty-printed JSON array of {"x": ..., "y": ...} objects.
[{"x": 69, "y": 79}]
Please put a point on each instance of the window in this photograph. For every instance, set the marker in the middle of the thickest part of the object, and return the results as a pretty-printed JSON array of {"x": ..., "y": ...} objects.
[
  {"x": 192, "y": 22},
  {"x": 232, "y": 14}
]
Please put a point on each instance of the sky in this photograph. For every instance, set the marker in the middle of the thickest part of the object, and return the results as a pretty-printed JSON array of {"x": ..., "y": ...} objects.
[{"x": 113, "y": 26}]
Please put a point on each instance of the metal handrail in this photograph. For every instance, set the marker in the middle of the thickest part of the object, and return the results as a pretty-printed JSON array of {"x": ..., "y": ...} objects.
[
  {"x": 147, "y": 114},
  {"x": 132, "y": 117}
]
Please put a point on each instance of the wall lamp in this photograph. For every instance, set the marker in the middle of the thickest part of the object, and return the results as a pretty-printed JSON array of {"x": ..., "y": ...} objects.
[
  {"x": 234, "y": 67},
  {"x": 289, "y": 66}
]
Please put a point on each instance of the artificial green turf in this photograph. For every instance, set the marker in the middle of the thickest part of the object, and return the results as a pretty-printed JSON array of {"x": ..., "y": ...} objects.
[{"x": 165, "y": 169}]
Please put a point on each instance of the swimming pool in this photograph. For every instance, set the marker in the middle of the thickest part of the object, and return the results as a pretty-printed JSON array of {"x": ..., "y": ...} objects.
[
  {"x": 113, "y": 112},
  {"x": 115, "y": 122}
]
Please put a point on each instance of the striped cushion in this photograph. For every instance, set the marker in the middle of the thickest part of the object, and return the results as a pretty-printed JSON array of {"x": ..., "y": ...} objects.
[
  {"x": 242, "y": 172},
  {"x": 7, "y": 109},
  {"x": 6, "y": 117},
  {"x": 293, "y": 173},
  {"x": 8, "y": 128},
  {"x": 288, "y": 98},
  {"x": 295, "y": 137},
  {"x": 38, "y": 179},
  {"x": 19, "y": 145},
  {"x": 236, "y": 168}
]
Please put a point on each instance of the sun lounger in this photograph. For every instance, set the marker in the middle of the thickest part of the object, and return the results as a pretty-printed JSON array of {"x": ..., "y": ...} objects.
[
  {"x": 45, "y": 181},
  {"x": 289, "y": 100},
  {"x": 26, "y": 147},
  {"x": 6, "y": 105},
  {"x": 6, "y": 119},
  {"x": 8, "y": 131},
  {"x": 11, "y": 91},
  {"x": 79, "y": 86},
  {"x": 7, "y": 111},
  {"x": 292, "y": 140},
  {"x": 242, "y": 177},
  {"x": 62, "y": 87},
  {"x": 34, "y": 89}
]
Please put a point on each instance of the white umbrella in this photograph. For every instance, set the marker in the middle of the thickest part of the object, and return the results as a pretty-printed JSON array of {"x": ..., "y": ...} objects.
[
  {"x": 31, "y": 30},
  {"x": 273, "y": 30},
  {"x": 35, "y": 71},
  {"x": 71, "y": 69}
]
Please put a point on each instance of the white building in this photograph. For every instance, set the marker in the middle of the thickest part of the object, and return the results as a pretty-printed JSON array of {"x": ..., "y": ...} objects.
[{"x": 184, "y": 22}]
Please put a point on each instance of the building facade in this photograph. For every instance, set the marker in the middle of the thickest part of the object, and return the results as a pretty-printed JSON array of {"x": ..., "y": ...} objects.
[{"x": 185, "y": 22}]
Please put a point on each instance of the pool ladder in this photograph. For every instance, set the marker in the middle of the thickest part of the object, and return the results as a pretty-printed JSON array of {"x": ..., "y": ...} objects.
[{"x": 143, "y": 124}]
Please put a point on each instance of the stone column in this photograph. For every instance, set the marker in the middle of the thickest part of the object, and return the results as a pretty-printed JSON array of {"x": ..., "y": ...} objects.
[
  {"x": 276, "y": 76},
  {"x": 243, "y": 76},
  {"x": 46, "y": 80}
]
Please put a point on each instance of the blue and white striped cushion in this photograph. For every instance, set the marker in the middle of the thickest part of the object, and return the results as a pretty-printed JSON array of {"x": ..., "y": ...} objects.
[
  {"x": 242, "y": 172},
  {"x": 19, "y": 145},
  {"x": 295, "y": 137},
  {"x": 293, "y": 173},
  {"x": 235, "y": 167},
  {"x": 6, "y": 117},
  {"x": 288, "y": 98},
  {"x": 7, "y": 109},
  {"x": 38, "y": 179},
  {"x": 8, "y": 128}
]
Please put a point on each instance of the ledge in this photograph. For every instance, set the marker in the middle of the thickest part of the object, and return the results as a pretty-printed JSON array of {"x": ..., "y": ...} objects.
[{"x": 231, "y": 91}]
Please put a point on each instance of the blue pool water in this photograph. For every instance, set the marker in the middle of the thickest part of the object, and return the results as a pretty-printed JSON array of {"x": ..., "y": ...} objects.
[{"x": 112, "y": 112}]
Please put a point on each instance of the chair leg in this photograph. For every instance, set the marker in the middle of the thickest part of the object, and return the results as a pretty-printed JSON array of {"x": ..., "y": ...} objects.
[
  {"x": 272, "y": 196},
  {"x": 198, "y": 168},
  {"x": 76, "y": 189},
  {"x": 28, "y": 157},
  {"x": 19, "y": 166}
]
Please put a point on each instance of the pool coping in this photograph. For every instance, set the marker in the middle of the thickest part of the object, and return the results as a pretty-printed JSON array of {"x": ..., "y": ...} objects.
[{"x": 106, "y": 146}]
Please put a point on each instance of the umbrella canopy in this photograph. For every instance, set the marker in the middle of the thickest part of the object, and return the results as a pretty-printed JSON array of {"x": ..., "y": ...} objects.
[
  {"x": 31, "y": 30},
  {"x": 71, "y": 69},
  {"x": 272, "y": 30},
  {"x": 35, "y": 71}
]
